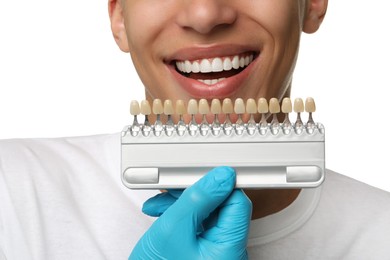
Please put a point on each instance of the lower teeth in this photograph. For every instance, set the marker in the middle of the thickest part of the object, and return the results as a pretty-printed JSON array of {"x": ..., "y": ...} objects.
[{"x": 210, "y": 81}]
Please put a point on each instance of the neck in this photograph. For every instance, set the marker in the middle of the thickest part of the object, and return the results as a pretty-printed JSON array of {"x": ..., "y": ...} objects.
[{"x": 269, "y": 201}]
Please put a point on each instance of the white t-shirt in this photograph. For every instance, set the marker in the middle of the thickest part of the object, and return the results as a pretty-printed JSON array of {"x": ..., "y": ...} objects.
[{"x": 63, "y": 199}]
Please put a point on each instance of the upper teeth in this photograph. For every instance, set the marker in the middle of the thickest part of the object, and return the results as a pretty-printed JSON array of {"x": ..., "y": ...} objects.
[{"x": 214, "y": 64}]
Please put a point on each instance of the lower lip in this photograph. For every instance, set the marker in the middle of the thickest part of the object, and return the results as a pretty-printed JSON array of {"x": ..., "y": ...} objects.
[{"x": 224, "y": 88}]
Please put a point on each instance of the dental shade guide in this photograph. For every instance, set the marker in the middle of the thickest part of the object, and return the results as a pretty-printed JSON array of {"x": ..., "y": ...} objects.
[{"x": 169, "y": 154}]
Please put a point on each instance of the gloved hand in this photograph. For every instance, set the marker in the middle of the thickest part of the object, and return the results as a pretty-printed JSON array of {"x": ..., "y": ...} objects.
[{"x": 209, "y": 220}]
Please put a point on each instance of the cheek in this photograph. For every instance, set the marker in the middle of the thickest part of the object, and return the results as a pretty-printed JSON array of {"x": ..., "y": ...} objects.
[
  {"x": 281, "y": 19},
  {"x": 144, "y": 20}
]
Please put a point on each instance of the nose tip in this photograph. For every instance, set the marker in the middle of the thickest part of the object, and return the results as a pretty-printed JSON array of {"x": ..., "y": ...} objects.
[{"x": 205, "y": 15}]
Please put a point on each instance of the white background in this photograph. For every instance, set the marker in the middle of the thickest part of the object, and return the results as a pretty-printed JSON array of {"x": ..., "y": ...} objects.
[{"x": 61, "y": 74}]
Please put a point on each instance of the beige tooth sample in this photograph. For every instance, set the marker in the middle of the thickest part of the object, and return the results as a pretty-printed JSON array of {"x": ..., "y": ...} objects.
[
  {"x": 157, "y": 107},
  {"x": 274, "y": 109},
  {"x": 180, "y": 107},
  {"x": 274, "y": 106},
  {"x": 227, "y": 106},
  {"x": 262, "y": 106},
  {"x": 286, "y": 109},
  {"x": 192, "y": 107},
  {"x": 298, "y": 108},
  {"x": 145, "y": 108},
  {"x": 203, "y": 107},
  {"x": 298, "y": 105},
  {"x": 227, "y": 109},
  {"x": 168, "y": 107},
  {"x": 169, "y": 111},
  {"x": 180, "y": 111},
  {"x": 239, "y": 106},
  {"x": 251, "y": 106},
  {"x": 134, "y": 108},
  {"x": 134, "y": 111},
  {"x": 146, "y": 111},
  {"x": 216, "y": 107},
  {"x": 239, "y": 109},
  {"x": 251, "y": 109},
  {"x": 286, "y": 105},
  {"x": 310, "y": 105}
]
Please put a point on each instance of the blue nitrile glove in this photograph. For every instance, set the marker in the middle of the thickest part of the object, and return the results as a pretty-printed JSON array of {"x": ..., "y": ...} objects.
[{"x": 209, "y": 220}]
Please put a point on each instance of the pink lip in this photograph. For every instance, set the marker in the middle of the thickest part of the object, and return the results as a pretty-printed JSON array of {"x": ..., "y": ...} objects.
[{"x": 224, "y": 88}]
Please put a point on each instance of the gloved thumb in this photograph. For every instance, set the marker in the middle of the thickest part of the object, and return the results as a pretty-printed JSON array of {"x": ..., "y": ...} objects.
[{"x": 202, "y": 198}]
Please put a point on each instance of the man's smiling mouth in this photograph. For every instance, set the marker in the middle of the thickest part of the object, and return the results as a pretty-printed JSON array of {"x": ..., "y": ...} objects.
[{"x": 213, "y": 70}]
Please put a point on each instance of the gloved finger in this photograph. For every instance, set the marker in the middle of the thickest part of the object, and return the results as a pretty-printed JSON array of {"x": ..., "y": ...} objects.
[
  {"x": 232, "y": 223},
  {"x": 199, "y": 200},
  {"x": 158, "y": 204},
  {"x": 175, "y": 192}
]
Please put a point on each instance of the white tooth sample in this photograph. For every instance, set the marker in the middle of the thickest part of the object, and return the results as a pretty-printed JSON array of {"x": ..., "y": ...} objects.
[
  {"x": 227, "y": 64},
  {"x": 274, "y": 106},
  {"x": 286, "y": 105},
  {"x": 310, "y": 105},
  {"x": 145, "y": 108},
  {"x": 217, "y": 65},
  {"x": 262, "y": 106},
  {"x": 203, "y": 107},
  {"x": 239, "y": 106},
  {"x": 180, "y": 107},
  {"x": 195, "y": 67},
  {"x": 227, "y": 106},
  {"x": 251, "y": 106},
  {"x": 298, "y": 105},
  {"x": 236, "y": 62},
  {"x": 216, "y": 106},
  {"x": 214, "y": 81},
  {"x": 242, "y": 62},
  {"x": 187, "y": 66},
  {"x": 250, "y": 58},
  {"x": 134, "y": 108},
  {"x": 157, "y": 107},
  {"x": 192, "y": 107},
  {"x": 205, "y": 66},
  {"x": 220, "y": 79},
  {"x": 168, "y": 107}
]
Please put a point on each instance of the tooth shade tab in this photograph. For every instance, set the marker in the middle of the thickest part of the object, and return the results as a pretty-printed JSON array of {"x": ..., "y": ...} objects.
[
  {"x": 227, "y": 106},
  {"x": 134, "y": 108},
  {"x": 298, "y": 105},
  {"x": 251, "y": 106},
  {"x": 262, "y": 106},
  {"x": 168, "y": 107},
  {"x": 274, "y": 106},
  {"x": 239, "y": 106},
  {"x": 216, "y": 107},
  {"x": 203, "y": 107},
  {"x": 192, "y": 107},
  {"x": 216, "y": 64},
  {"x": 286, "y": 105},
  {"x": 310, "y": 105},
  {"x": 158, "y": 108},
  {"x": 145, "y": 108},
  {"x": 180, "y": 107}
]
